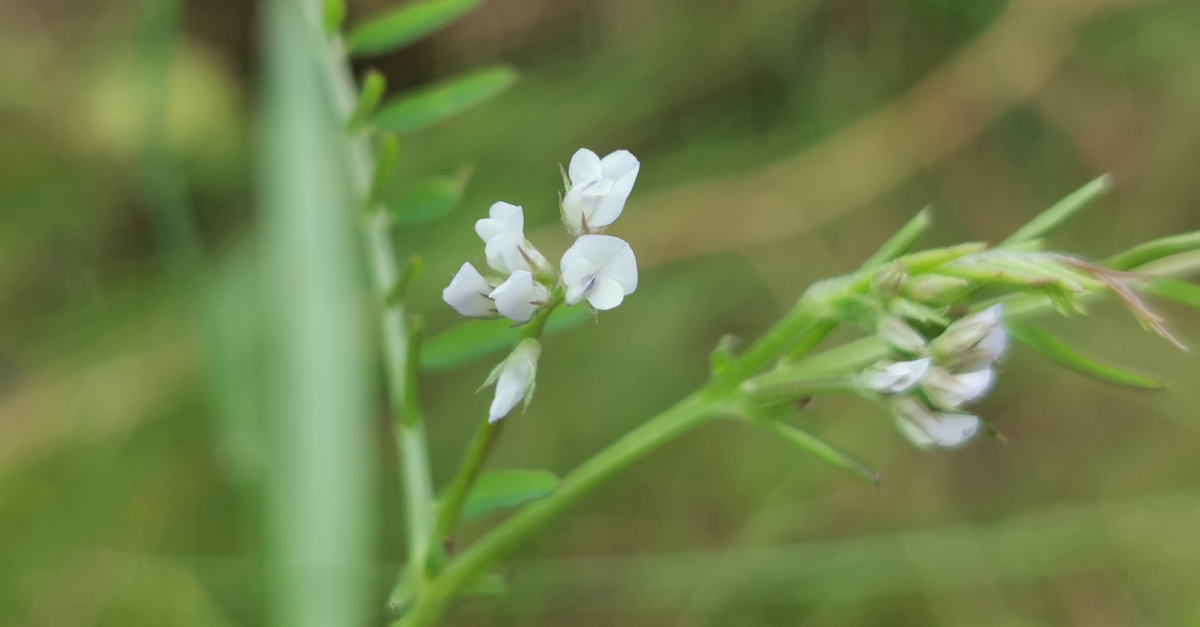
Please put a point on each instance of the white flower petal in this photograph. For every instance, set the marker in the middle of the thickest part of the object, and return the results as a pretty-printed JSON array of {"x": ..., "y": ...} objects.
[
  {"x": 511, "y": 215},
  {"x": 894, "y": 378},
  {"x": 516, "y": 379},
  {"x": 606, "y": 294},
  {"x": 617, "y": 164},
  {"x": 951, "y": 391},
  {"x": 609, "y": 258},
  {"x": 927, "y": 429},
  {"x": 519, "y": 297},
  {"x": 488, "y": 229},
  {"x": 610, "y": 206},
  {"x": 585, "y": 166},
  {"x": 467, "y": 293}
]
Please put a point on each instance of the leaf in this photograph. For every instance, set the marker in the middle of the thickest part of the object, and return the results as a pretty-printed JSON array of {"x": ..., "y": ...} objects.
[
  {"x": 405, "y": 24},
  {"x": 824, "y": 451},
  {"x": 500, "y": 489},
  {"x": 368, "y": 99},
  {"x": 1143, "y": 254},
  {"x": 428, "y": 200},
  {"x": 901, "y": 242},
  {"x": 431, "y": 105},
  {"x": 1181, "y": 292},
  {"x": 477, "y": 338},
  {"x": 1051, "y": 218},
  {"x": 1057, "y": 351}
]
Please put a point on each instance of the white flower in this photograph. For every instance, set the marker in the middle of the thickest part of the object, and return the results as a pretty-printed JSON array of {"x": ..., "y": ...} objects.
[
  {"x": 951, "y": 391},
  {"x": 514, "y": 378},
  {"x": 971, "y": 343},
  {"x": 599, "y": 189},
  {"x": 887, "y": 377},
  {"x": 468, "y": 293},
  {"x": 928, "y": 429},
  {"x": 600, "y": 268},
  {"x": 503, "y": 235},
  {"x": 520, "y": 296}
]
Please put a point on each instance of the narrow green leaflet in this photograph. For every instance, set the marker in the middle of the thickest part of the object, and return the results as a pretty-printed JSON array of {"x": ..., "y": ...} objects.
[
  {"x": 1052, "y": 218},
  {"x": 405, "y": 24},
  {"x": 1055, "y": 350},
  {"x": 824, "y": 451},
  {"x": 1181, "y": 292},
  {"x": 1154, "y": 250},
  {"x": 477, "y": 338},
  {"x": 902, "y": 241},
  {"x": 431, "y": 105},
  {"x": 427, "y": 200},
  {"x": 499, "y": 489}
]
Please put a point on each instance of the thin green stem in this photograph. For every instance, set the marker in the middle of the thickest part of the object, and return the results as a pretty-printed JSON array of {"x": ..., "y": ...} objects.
[
  {"x": 450, "y": 508},
  {"x": 636, "y": 444}
]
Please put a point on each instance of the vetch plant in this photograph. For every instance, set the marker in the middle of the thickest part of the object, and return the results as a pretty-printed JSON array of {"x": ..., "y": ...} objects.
[{"x": 935, "y": 324}]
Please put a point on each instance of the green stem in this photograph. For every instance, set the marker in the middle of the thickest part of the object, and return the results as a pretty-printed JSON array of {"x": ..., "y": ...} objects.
[
  {"x": 485, "y": 437},
  {"x": 636, "y": 444}
]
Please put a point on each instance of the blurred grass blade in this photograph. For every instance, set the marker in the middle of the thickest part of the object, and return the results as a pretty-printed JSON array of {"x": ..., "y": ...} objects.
[
  {"x": 479, "y": 338},
  {"x": 901, "y": 242},
  {"x": 824, "y": 451},
  {"x": 319, "y": 509},
  {"x": 1154, "y": 250},
  {"x": 1175, "y": 290},
  {"x": 1062, "y": 211},
  {"x": 405, "y": 24},
  {"x": 500, "y": 489},
  {"x": 427, "y": 200},
  {"x": 1054, "y": 349},
  {"x": 433, "y": 104}
]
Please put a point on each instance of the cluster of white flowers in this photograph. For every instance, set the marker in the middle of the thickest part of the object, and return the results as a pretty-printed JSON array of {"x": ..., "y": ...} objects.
[
  {"x": 599, "y": 269},
  {"x": 925, "y": 394}
]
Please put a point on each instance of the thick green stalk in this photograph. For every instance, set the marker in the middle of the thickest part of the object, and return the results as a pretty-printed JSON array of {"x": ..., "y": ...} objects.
[{"x": 386, "y": 274}]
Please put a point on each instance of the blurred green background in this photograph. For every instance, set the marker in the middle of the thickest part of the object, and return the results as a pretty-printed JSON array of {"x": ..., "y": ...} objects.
[{"x": 780, "y": 141}]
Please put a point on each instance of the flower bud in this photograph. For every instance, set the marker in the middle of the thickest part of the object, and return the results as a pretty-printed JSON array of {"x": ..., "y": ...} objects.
[
  {"x": 929, "y": 429},
  {"x": 887, "y": 280},
  {"x": 951, "y": 391},
  {"x": 935, "y": 289},
  {"x": 972, "y": 341},
  {"x": 515, "y": 378},
  {"x": 886, "y": 377},
  {"x": 896, "y": 333}
]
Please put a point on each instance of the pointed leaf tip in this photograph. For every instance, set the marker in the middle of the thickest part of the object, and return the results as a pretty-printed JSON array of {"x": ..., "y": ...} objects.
[
  {"x": 406, "y": 24},
  {"x": 424, "y": 108},
  {"x": 500, "y": 489},
  {"x": 826, "y": 452},
  {"x": 1057, "y": 351}
]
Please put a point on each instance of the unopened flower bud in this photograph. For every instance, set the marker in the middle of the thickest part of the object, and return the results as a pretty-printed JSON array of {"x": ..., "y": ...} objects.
[
  {"x": 886, "y": 377},
  {"x": 896, "y": 333},
  {"x": 971, "y": 342},
  {"x": 935, "y": 289},
  {"x": 951, "y": 391},
  {"x": 887, "y": 280},
  {"x": 928, "y": 429},
  {"x": 514, "y": 378}
]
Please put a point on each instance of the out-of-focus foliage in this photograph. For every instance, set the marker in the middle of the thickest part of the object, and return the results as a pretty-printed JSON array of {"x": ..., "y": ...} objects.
[{"x": 781, "y": 142}]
